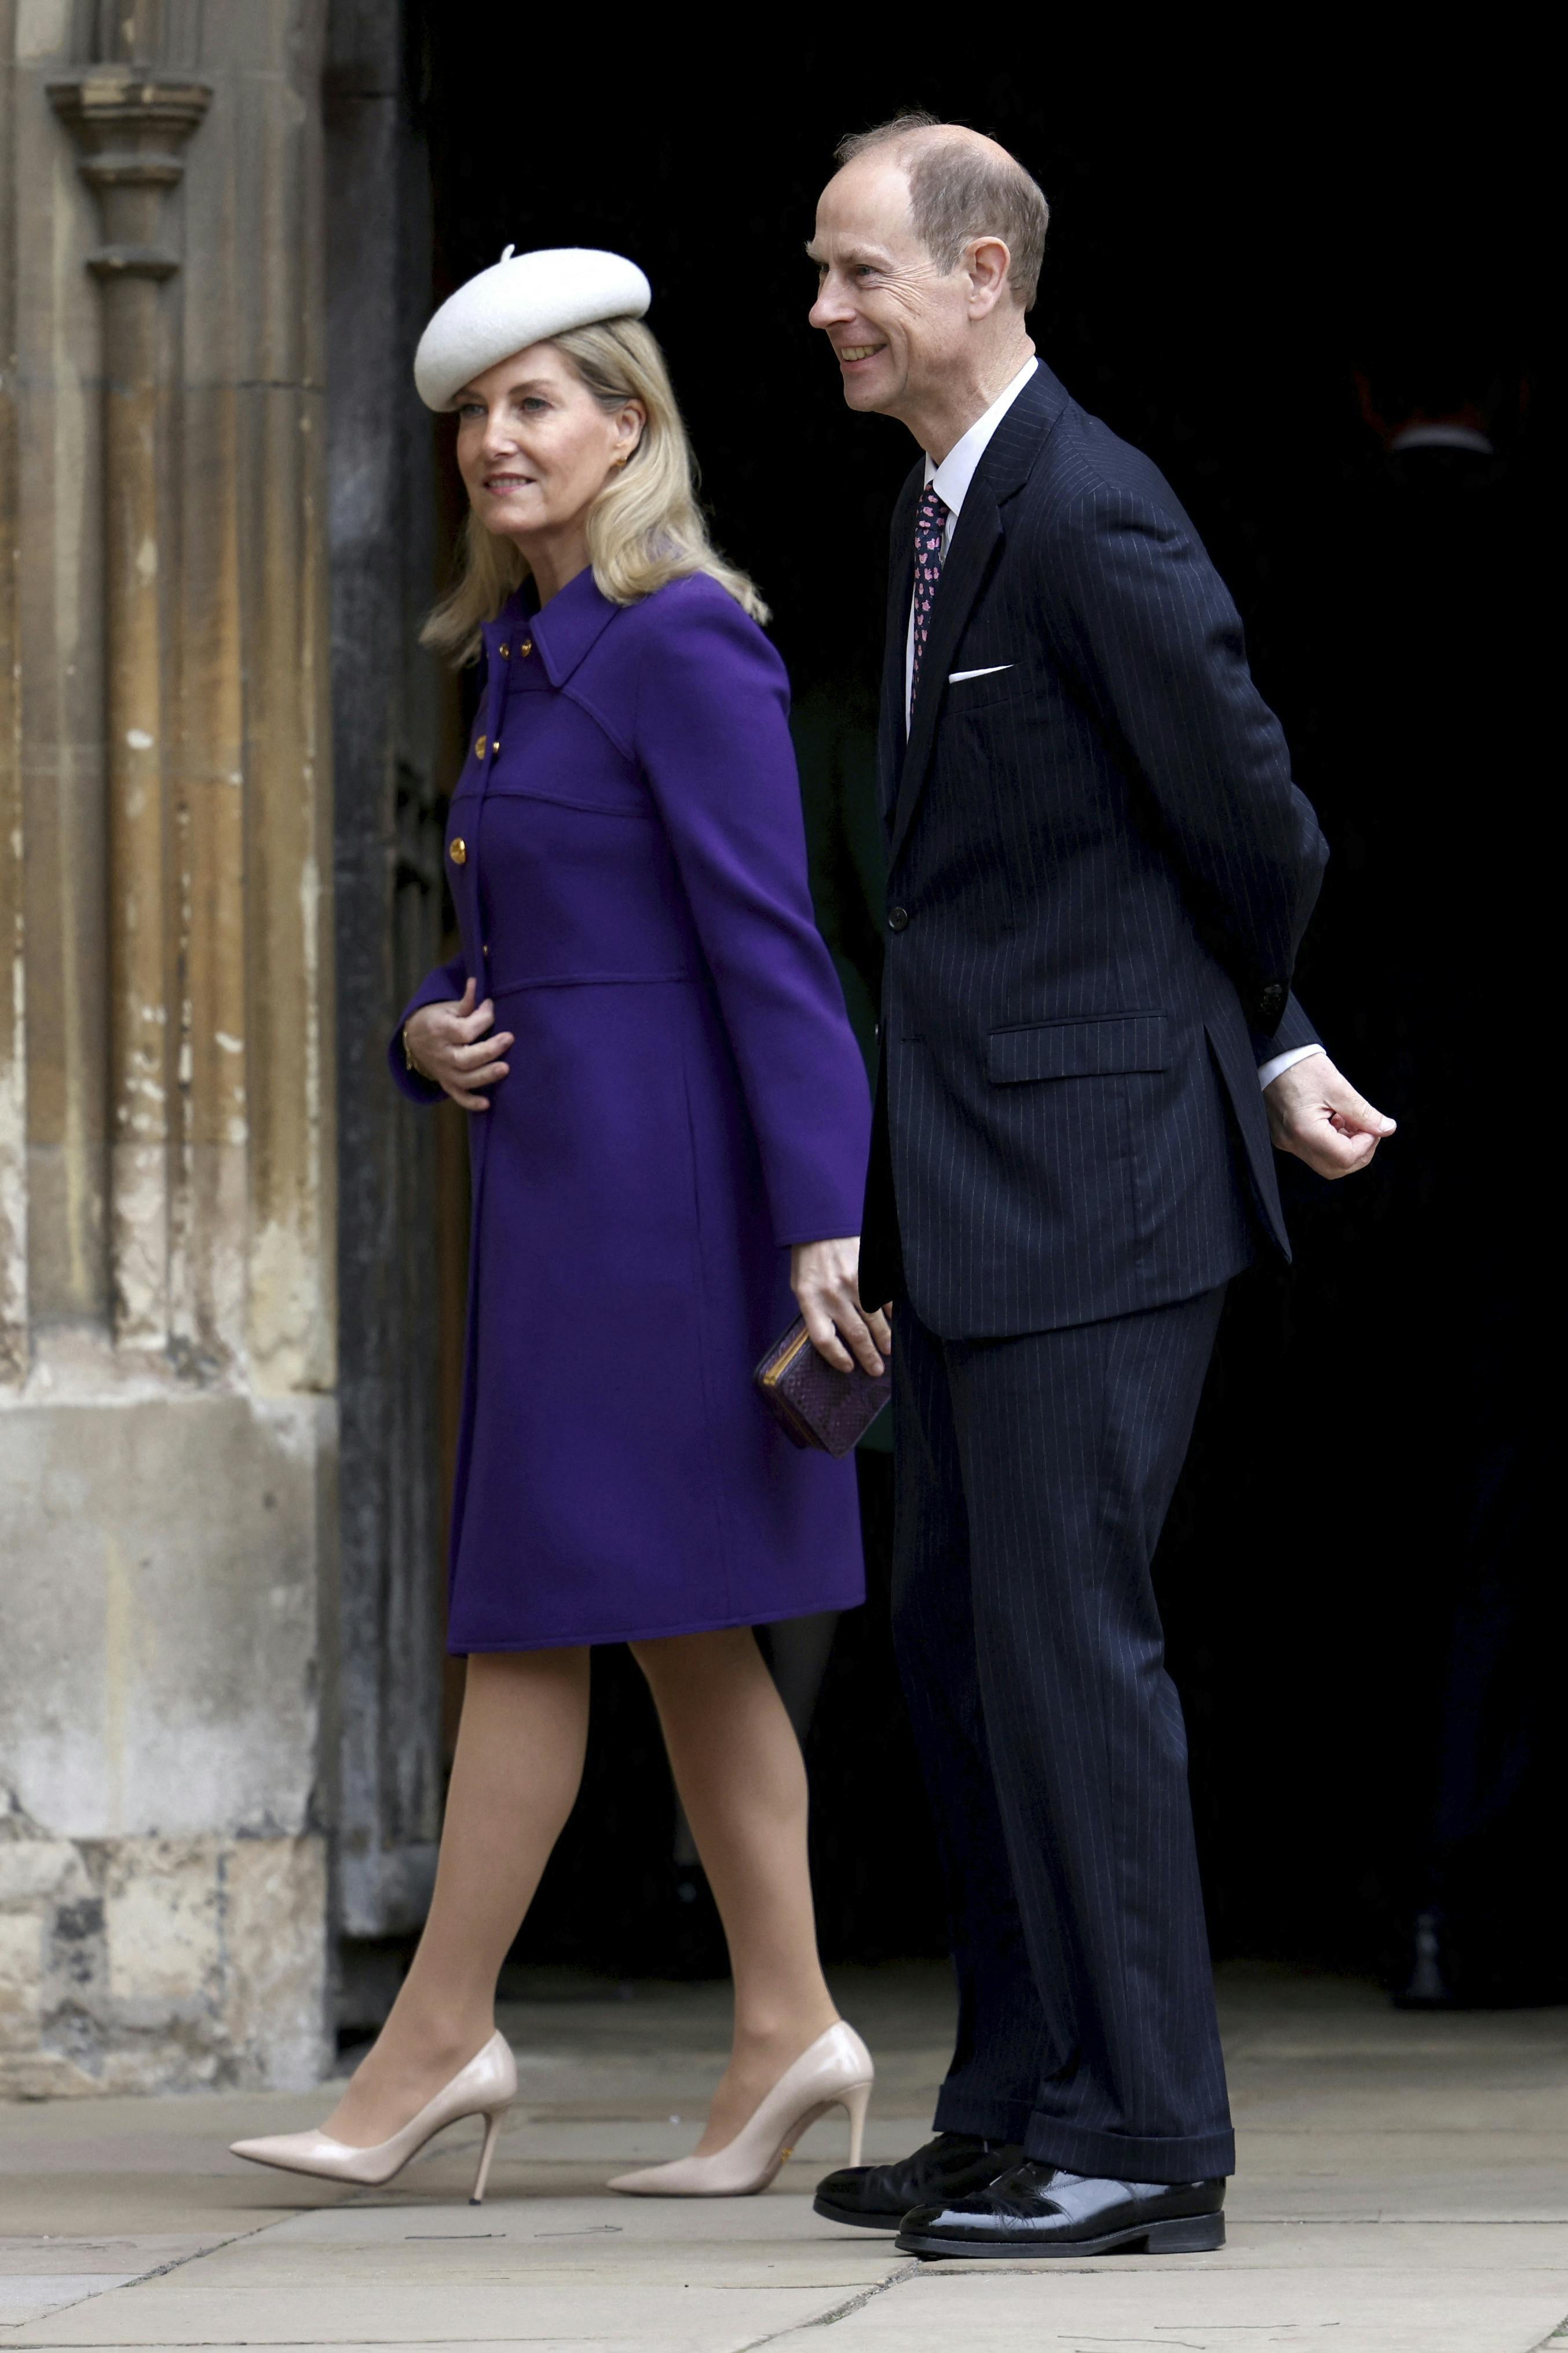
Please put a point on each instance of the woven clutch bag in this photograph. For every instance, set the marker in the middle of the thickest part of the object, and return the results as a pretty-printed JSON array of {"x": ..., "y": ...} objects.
[{"x": 815, "y": 1404}]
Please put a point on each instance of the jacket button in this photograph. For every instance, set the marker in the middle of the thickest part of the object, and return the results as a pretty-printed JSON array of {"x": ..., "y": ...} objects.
[
  {"x": 526, "y": 646},
  {"x": 504, "y": 652},
  {"x": 481, "y": 747},
  {"x": 898, "y": 917},
  {"x": 459, "y": 852},
  {"x": 1271, "y": 1004}
]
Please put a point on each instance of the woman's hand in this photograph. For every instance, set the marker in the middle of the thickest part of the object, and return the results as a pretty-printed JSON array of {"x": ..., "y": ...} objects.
[
  {"x": 825, "y": 1279},
  {"x": 448, "y": 1045}
]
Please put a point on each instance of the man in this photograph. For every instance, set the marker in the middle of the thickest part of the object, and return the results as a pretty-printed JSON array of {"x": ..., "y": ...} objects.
[{"x": 1100, "y": 871}]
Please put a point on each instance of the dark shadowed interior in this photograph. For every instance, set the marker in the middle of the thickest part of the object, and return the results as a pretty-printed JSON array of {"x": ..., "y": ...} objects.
[{"x": 1220, "y": 266}]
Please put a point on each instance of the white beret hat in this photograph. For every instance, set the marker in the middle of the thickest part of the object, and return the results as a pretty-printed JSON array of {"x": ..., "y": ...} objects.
[{"x": 524, "y": 299}]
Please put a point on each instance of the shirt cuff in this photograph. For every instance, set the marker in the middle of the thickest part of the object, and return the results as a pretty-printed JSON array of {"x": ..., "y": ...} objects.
[{"x": 1268, "y": 1071}]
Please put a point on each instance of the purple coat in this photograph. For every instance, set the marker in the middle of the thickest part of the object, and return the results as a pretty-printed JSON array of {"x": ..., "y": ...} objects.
[{"x": 627, "y": 859}]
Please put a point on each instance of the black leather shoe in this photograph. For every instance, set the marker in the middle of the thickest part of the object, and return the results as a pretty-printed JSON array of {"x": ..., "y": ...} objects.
[
  {"x": 877, "y": 2197},
  {"x": 1038, "y": 2209}
]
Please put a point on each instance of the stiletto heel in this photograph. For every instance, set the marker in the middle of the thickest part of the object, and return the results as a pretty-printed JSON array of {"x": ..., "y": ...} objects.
[
  {"x": 835, "y": 2072},
  {"x": 857, "y": 2100},
  {"x": 486, "y": 2087},
  {"x": 492, "y": 2126}
]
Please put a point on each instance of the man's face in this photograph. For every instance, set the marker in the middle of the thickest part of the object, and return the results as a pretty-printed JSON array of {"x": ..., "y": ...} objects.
[{"x": 895, "y": 321}]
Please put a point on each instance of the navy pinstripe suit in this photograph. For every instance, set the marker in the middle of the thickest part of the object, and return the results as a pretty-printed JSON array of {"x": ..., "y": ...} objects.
[{"x": 1100, "y": 871}]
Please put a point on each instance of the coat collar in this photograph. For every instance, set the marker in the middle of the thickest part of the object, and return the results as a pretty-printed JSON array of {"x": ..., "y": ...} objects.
[
  {"x": 978, "y": 532},
  {"x": 565, "y": 631}
]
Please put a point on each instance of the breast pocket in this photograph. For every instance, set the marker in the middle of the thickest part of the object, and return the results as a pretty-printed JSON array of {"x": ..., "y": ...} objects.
[{"x": 980, "y": 689}]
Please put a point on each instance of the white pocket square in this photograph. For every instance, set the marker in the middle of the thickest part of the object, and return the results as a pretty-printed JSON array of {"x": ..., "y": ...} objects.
[{"x": 957, "y": 677}]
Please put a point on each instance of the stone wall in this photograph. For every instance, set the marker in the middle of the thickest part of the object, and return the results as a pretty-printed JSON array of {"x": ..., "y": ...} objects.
[{"x": 169, "y": 1733}]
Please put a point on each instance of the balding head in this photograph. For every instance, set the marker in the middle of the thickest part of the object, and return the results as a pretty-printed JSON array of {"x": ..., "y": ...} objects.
[
  {"x": 927, "y": 248},
  {"x": 962, "y": 187}
]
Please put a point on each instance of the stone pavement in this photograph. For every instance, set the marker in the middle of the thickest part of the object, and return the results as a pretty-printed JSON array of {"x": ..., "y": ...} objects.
[{"x": 1404, "y": 2189}]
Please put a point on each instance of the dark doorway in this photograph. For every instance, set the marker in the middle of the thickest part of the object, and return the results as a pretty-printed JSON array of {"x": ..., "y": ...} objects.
[{"x": 1217, "y": 269}]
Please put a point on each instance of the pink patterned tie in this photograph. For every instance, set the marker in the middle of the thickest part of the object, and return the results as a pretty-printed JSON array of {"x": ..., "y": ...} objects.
[{"x": 930, "y": 535}]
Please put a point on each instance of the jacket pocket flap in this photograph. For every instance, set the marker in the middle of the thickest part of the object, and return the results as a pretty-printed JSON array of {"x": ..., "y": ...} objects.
[{"x": 1078, "y": 1049}]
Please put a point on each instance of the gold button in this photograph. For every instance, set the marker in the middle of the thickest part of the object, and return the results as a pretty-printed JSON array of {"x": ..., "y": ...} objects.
[
  {"x": 459, "y": 852},
  {"x": 526, "y": 646},
  {"x": 481, "y": 747},
  {"x": 505, "y": 651}
]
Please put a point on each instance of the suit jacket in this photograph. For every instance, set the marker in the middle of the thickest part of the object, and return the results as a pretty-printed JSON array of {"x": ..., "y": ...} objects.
[{"x": 1099, "y": 875}]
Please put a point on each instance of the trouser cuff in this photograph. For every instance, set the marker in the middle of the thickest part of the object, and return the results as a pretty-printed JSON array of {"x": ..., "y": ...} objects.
[
  {"x": 990, "y": 2118},
  {"x": 1123, "y": 2156}
]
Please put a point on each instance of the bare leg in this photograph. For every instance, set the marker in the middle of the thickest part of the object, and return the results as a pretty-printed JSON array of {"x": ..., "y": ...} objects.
[
  {"x": 514, "y": 1779},
  {"x": 738, "y": 1768}
]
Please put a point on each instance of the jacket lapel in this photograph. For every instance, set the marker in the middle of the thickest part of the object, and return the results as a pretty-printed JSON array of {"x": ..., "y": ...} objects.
[
  {"x": 977, "y": 535},
  {"x": 901, "y": 586}
]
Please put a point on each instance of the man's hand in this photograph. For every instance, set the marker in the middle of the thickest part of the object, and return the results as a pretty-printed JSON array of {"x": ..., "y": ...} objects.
[
  {"x": 1318, "y": 1115},
  {"x": 448, "y": 1045},
  {"x": 824, "y": 1277}
]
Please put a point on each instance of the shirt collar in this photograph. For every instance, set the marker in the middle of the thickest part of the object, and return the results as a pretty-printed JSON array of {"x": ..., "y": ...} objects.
[
  {"x": 956, "y": 472},
  {"x": 1440, "y": 436}
]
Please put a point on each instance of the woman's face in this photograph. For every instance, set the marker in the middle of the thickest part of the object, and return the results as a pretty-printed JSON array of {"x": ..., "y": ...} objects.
[{"x": 535, "y": 447}]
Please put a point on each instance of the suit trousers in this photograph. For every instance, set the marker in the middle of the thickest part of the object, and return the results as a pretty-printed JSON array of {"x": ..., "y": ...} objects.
[{"x": 1032, "y": 1477}]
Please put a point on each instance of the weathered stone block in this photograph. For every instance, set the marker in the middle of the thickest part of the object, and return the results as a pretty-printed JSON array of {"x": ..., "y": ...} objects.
[
  {"x": 21, "y": 1980},
  {"x": 163, "y": 1877},
  {"x": 276, "y": 1960},
  {"x": 33, "y": 1868},
  {"x": 141, "y": 1965},
  {"x": 160, "y": 1677},
  {"x": 160, "y": 1920}
]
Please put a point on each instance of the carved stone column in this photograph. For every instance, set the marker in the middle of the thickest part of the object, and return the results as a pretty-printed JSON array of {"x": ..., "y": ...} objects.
[
  {"x": 13, "y": 1032},
  {"x": 131, "y": 127}
]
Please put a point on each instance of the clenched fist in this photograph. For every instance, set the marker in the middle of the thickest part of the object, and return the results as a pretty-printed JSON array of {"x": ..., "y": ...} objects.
[{"x": 1319, "y": 1116}]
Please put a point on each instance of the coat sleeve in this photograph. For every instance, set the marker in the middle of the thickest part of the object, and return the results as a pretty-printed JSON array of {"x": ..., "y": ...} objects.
[
  {"x": 437, "y": 987},
  {"x": 1295, "y": 1031},
  {"x": 713, "y": 737},
  {"x": 1156, "y": 643}
]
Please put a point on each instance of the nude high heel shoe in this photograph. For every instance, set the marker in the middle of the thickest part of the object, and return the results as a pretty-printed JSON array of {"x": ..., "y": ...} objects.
[
  {"x": 486, "y": 2087},
  {"x": 835, "y": 2072}
]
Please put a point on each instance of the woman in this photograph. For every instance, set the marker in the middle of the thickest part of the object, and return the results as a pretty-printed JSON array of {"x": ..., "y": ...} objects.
[{"x": 668, "y": 1127}]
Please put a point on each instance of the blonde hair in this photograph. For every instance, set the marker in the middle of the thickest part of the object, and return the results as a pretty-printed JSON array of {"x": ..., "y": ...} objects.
[{"x": 644, "y": 528}]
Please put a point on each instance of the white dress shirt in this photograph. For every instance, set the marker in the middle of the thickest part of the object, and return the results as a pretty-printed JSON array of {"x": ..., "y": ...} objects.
[
  {"x": 951, "y": 480},
  {"x": 1440, "y": 436}
]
